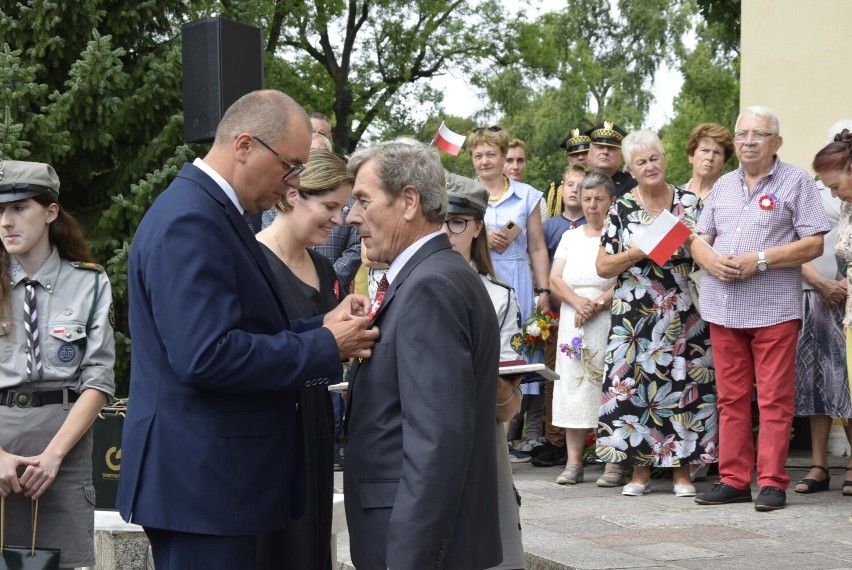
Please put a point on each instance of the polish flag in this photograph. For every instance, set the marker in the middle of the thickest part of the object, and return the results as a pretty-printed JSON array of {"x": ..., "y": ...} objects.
[
  {"x": 448, "y": 141},
  {"x": 662, "y": 238}
]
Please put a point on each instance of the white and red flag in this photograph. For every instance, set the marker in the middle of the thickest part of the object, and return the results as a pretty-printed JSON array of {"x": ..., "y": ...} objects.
[
  {"x": 447, "y": 140},
  {"x": 662, "y": 238}
]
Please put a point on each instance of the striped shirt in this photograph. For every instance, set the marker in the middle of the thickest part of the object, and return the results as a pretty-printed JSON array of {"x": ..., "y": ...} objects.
[{"x": 783, "y": 207}]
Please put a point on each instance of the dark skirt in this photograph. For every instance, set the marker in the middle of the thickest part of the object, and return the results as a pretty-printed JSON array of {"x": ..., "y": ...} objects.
[
  {"x": 66, "y": 511},
  {"x": 305, "y": 543}
]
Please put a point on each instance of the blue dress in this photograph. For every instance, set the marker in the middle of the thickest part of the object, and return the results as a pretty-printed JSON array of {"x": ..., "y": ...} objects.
[{"x": 513, "y": 265}]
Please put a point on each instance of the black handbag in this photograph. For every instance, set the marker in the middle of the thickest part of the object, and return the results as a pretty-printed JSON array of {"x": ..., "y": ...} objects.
[{"x": 23, "y": 558}]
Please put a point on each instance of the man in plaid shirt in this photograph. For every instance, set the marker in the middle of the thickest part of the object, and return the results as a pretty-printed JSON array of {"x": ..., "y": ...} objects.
[{"x": 762, "y": 225}]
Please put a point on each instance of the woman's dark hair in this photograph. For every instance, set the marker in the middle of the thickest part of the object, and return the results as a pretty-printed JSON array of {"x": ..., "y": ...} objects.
[
  {"x": 64, "y": 232},
  {"x": 836, "y": 155},
  {"x": 480, "y": 254}
]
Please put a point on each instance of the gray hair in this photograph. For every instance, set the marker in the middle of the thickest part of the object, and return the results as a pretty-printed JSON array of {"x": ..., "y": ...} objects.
[
  {"x": 761, "y": 111},
  {"x": 265, "y": 114},
  {"x": 640, "y": 138},
  {"x": 595, "y": 179},
  {"x": 398, "y": 165},
  {"x": 836, "y": 128}
]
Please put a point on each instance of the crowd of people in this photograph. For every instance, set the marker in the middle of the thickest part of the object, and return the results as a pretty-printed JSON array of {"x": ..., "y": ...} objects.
[{"x": 242, "y": 313}]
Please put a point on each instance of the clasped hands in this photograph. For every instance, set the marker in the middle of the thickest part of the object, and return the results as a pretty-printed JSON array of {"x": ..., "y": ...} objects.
[
  {"x": 586, "y": 309},
  {"x": 39, "y": 473},
  {"x": 349, "y": 322},
  {"x": 730, "y": 267}
]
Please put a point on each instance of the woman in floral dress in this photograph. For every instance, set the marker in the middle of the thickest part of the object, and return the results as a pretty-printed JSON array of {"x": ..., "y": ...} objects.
[{"x": 658, "y": 404}]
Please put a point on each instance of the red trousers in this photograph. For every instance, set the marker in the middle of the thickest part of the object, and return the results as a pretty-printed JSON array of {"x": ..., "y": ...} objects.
[{"x": 766, "y": 355}]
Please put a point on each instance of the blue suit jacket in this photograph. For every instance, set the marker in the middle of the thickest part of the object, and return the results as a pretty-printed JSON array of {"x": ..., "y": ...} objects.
[
  {"x": 421, "y": 468},
  {"x": 212, "y": 438}
]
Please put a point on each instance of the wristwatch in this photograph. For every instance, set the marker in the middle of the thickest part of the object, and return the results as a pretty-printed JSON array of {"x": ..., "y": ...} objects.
[
  {"x": 761, "y": 262},
  {"x": 601, "y": 302}
]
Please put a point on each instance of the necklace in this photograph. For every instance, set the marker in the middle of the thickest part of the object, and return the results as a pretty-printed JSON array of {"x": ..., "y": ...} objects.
[
  {"x": 645, "y": 206},
  {"x": 295, "y": 268},
  {"x": 500, "y": 195}
]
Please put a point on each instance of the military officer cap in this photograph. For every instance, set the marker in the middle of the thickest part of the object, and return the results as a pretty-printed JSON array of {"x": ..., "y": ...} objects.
[
  {"x": 20, "y": 180},
  {"x": 577, "y": 142},
  {"x": 466, "y": 196},
  {"x": 608, "y": 134}
]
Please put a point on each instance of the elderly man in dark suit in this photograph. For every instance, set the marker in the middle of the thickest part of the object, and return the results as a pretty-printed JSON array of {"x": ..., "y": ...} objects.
[
  {"x": 420, "y": 482},
  {"x": 212, "y": 450}
]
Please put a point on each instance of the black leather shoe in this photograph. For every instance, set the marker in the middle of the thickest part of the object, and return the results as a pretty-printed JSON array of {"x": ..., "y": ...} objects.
[
  {"x": 722, "y": 494},
  {"x": 770, "y": 499},
  {"x": 550, "y": 456}
]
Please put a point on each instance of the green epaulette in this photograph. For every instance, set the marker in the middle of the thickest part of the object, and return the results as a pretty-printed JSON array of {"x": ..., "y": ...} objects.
[
  {"x": 498, "y": 282},
  {"x": 87, "y": 265}
]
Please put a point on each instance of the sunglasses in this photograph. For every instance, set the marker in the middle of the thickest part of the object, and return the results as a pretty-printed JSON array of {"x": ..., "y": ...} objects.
[{"x": 493, "y": 129}]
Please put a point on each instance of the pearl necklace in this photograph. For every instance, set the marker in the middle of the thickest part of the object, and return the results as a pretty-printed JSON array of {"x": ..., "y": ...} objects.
[
  {"x": 500, "y": 195},
  {"x": 645, "y": 207}
]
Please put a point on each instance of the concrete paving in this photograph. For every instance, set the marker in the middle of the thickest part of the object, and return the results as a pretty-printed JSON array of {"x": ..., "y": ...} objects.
[{"x": 588, "y": 527}]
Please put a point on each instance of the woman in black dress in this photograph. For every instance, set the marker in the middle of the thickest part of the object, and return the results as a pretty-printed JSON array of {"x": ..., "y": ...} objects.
[{"x": 308, "y": 286}]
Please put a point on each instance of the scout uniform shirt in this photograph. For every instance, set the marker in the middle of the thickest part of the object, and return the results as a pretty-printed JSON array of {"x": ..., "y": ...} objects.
[{"x": 75, "y": 326}]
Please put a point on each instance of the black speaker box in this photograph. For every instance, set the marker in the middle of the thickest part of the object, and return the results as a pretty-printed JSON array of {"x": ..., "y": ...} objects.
[{"x": 222, "y": 61}]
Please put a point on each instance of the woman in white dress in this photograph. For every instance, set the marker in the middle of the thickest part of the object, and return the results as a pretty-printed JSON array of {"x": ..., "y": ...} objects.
[{"x": 583, "y": 321}]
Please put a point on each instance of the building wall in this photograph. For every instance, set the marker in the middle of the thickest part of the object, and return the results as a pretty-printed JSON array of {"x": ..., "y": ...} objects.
[{"x": 797, "y": 60}]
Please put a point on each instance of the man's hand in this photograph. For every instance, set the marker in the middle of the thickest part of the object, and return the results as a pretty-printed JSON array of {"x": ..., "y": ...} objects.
[
  {"x": 354, "y": 339},
  {"x": 747, "y": 263},
  {"x": 352, "y": 305},
  {"x": 9, "y": 465},
  {"x": 723, "y": 268}
]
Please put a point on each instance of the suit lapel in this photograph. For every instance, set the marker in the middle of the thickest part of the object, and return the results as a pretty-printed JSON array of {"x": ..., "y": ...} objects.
[
  {"x": 435, "y": 244},
  {"x": 240, "y": 227}
]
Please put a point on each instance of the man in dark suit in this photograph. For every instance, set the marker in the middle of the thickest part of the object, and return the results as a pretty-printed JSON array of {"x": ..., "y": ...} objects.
[
  {"x": 212, "y": 450},
  {"x": 420, "y": 482}
]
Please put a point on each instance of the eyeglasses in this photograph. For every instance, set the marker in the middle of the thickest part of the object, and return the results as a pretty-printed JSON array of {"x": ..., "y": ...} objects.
[
  {"x": 293, "y": 169},
  {"x": 457, "y": 225},
  {"x": 493, "y": 129},
  {"x": 756, "y": 136}
]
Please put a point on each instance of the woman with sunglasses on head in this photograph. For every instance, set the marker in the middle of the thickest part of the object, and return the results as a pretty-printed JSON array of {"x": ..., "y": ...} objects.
[
  {"x": 465, "y": 227},
  {"x": 514, "y": 206},
  {"x": 308, "y": 286},
  {"x": 56, "y": 364}
]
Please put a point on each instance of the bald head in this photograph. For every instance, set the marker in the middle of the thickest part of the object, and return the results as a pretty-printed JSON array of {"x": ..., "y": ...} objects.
[{"x": 266, "y": 114}]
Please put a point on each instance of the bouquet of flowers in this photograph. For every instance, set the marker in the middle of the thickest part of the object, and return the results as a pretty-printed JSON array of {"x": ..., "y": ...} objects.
[
  {"x": 536, "y": 330},
  {"x": 577, "y": 349}
]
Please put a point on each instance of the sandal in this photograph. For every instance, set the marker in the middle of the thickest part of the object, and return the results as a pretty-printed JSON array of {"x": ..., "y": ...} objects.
[
  {"x": 813, "y": 486},
  {"x": 846, "y": 488},
  {"x": 612, "y": 477},
  {"x": 572, "y": 475}
]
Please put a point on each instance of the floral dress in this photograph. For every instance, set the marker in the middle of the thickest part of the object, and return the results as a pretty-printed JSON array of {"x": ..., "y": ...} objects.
[{"x": 658, "y": 400}]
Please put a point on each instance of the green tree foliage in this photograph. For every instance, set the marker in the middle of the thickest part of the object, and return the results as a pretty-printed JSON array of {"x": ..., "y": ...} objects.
[
  {"x": 94, "y": 88},
  {"x": 591, "y": 61},
  {"x": 364, "y": 60},
  {"x": 710, "y": 94}
]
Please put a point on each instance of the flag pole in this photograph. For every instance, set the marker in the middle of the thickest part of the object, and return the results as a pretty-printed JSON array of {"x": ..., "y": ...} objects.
[{"x": 701, "y": 239}]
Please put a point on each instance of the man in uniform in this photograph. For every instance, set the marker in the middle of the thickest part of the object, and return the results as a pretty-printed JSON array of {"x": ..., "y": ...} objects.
[
  {"x": 605, "y": 155},
  {"x": 576, "y": 144}
]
